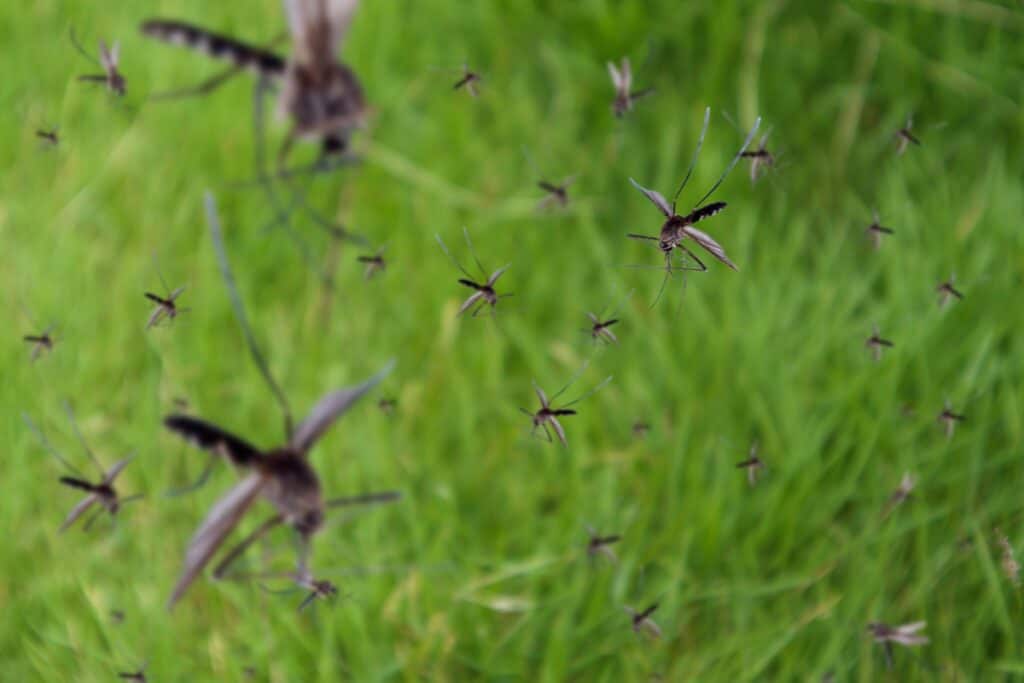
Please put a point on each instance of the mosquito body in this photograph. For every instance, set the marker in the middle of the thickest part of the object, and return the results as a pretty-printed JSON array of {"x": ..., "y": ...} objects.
[
  {"x": 761, "y": 160},
  {"x": 602, "y": 545},
  {"x": 387, "y": 406},
  {"x": 948, "y": 419},
  {"x": 904, "y": 137},
  {"x": 907, "y": 635},
  {"x": 640, "y": 429},
  {"x": 469, "y": 81},
  {"x": 41, "y": 343},
  {"x": 876, "y": 344},
  {"x": 557, "y": 194},
  {"x": 139, "y": 676},
  {"x": 166, "y": 307},
  {"x": 374, "y": 263},
  {"x": 622, "y": 81},
  {"x": 547, "y": 415},
  {"x": 1009, "y": 564},
  {"x": 109, "y": 61},
  {"x": 753, "y": 465},
  {"x": 484, "y": 294},
  {"x": 947, "y": 290},
  {"x": 642, "y": 622},
  {"x": 50, "y": 136},
  {"x": 600, "y": 329},
  {"x": 901, "y": 494},
  {"x": 875, "y": 232}
]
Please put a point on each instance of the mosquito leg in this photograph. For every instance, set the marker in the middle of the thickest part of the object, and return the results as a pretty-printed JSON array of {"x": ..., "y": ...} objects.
[
  {"x": 92, "y": 518},
  {"x": 700, "y": 264},
  {"x": 365, "y": 499},
  {"x": 196, "y": 485},
  {"x": 220, "y": 570},
  {"x": 203, "y": 88}
]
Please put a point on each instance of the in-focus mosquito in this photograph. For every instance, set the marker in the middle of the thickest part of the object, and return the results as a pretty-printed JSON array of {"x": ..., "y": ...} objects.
[
  {"x": 876, "y": 231},
  {"x": 49, "y": 135},
  {"x": 1009, "y": 564},
  {"x": 904, "y": 137},
  {"x": 947, "y": 290},
  {"x": 622, "y": 81},
  {"x": 166, "y": 305},
  {"x": 548, "y": 414},
  {"x": 901, "y": 494},
  {"x": 109, "y": 60},
  {"x": 602, "y": 545},
  {"x": 642, "y": 622},
  {"x": 483, "y": 294},
  {"x": 678, "y": 228},
  {"x": 469, "y": 81},
  {"x": 101, "y": 492},
  {"x": 907, "y": 635},
  {"x": 876, "y": 344},
  {"x": 374, "y": 262},
  {"x": 948, "y": 419},
  {"x": 753, "y": 465}
]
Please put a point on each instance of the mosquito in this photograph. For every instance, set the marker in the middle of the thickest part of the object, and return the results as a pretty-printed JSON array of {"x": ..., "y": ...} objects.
[
  {"x": 904, "y": 137},
  {"x": 877, "y": 344},
  {"x": 622, "y": 81},
  {"x": 319, "y": 589},
  {"x": 948, "y": 419},
  {"x": 547, "y": 414},
  {"x": 556, "y": 193},
  {"x": 469, "y": 81},
  {"x": 387, "y": 406},
  {"x": 1010, "y": 566},
  {"x": 139, "y": 675},
  {"x": 41, "y": 343},
  {"x": 602, "y": 545},
  {"x": 641, "y": 429},
  {"x": 907, "y": 635},
  {"x": 642, "y": 622},
  {"x": 901, "y": 494},
  {"x": 166, "y": 306},
  {"x": 374, "y": 262},
  {"x": 753, "y": 465},
  {"x": 761, "y": 160},
  {"x": 483, "y": 293},
  {"x": 876, "y": 231},
  {"x": 109, "y": 60},
  {"x": 101, "y": 492},
  {"x": 947, "y": 290},
  {"x": 600, "y": 324},
  {"x": 50, "y": 136},
  {"x": 678, "y": 228}
]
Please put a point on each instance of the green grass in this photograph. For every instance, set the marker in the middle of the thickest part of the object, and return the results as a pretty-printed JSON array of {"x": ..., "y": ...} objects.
[{"x": 480, "y": 572}]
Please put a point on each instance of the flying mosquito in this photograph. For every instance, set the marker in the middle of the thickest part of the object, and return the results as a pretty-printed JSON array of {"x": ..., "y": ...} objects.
[
  {"x": 483, "y": 294},
  {"x": 642, "y": 622},
  {"x": 622, "y": 81},
  {"x": 640, "y": 429},
  {"x": 283, "y": 475},
  {"x": 907, "y": 635},
  {"x": 387, "y": 406},
  {"x": 41, "y": 343},
  {"x": 374, "y": 262},
  {"x": 319, "y": 589},
  {"x": 548, "y": 414},
  {"x": 49, "y": 135},
  {"x": 877, "y": 344},
  {"x": 109, "y": 60},
  {"x": 1009, "y": 564},
  {"x": 678, "y": 228},
  {"x": 166, "y": 305},
  {"x": 761, "y": 160},
  {"x": 904, "y": 137},
  {"x": 101, "y": 492},
  {"x": 139, "y": 675},
  {"x": 602, "y": 545},
  {"x": 557, "y": 194},
  {"x": 947, "y": 290},
  {"x": 600, "y": 324},
  {"x": 753, "y": 465},
  {"x": 876, "y": 231},
  {"x": 469, "y": 81},
  {"x": 948, "y": 419},
  {"x": 901, "y": 494}
]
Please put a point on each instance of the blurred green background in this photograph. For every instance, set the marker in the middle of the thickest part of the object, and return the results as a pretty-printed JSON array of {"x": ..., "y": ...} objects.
[{"x": 481, "y": 572}]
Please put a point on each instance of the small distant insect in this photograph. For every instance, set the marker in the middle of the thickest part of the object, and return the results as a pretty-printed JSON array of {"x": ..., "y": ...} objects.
[
  {"x": 166, "y": 305},
  {"x": 117, "y": 616},
  {"x": 484, "y": 294},
  {"x": 50, "y": 136},
  {"x": 753, "y": 465},
  {"x": 876, "y": 231},
  {"x": 374, "y": 262},
  {"x": 622, "y": 81},
  {"x": 469, "y": 81},
  {"x": 901, "y": 494},
  {"x": 41, "y": 343},
  {"x": 947, "y": 290},
  {"x": 640, "y": 429},
  {"x": 948, "y": 419},
  {"x": 548, "y": 415},
  {"x": 642, "y": 622},
  {"x": 102, "y": 492},
  {"x": 557, "y": 193},
  {"x": 877, "y": 344},
  {"x": 109, "y": 60},
  {"x": 139, "y": 676},
  {"x": 677, "y": 228},
  {"x": 602, "y": 545},
  {"x": 761, "y": 160},
  {"x": 904, "y": 137},
  {"x": 600, "y": 323},
  {"x": 906, "y": 635},
  {"x": 1009, "y": 564},
  {"x": 387, "y": 406}
]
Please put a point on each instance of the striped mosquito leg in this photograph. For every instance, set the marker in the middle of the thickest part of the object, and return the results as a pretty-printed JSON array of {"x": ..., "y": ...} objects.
[{"x": 216, "y": 45}]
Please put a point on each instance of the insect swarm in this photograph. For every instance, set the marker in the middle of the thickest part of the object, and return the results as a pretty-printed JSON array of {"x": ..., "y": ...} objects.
[
  {"x": 876, "y": 231},
  {"x": 947, "y": 290},
  {"x": 904, "y": 137},
  {"x": 602, "y": 545}
]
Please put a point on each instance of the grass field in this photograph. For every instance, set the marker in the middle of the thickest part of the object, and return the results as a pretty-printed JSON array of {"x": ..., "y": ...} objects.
[{"x": 481, "y": 571}]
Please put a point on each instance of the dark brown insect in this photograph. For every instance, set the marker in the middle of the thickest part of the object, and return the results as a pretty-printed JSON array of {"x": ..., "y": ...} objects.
[
  {"x": 876, "y": 344},
  {"x": 602, "y": 545},
  {"x": 640, "y": 429},
  {"x": 101, "y": 492},
  {"x": 139, "y": 675},
  {"x": 1009, "y": 564},
  {"x": 876, "y": 231},
  {"x": 904, "y": 137},
  {"x": 599, "y": 329},
  {"x": 947, "y": 290},
  {"x": 642, "y": 622},
  {"x": 761, "y": 160},
  {"x": 387, "y": 406},
  {"x": 117, "y": 616},
  {"x": 907, "y": 635},
  {"x": 166, "y": 305},
  {"x": 901, "y": 494},
  {"x": 469, "y": 81},
  {"x": 109, "y": 61},
  {"x": 50, "y": 136},
  {"x": 556, "y": 193},
  {"x": 484, "y": 294},
  {"x": 547, "y": 414},
  {"x": 622, "y": 81},
  {"x": 41, "y": 343},
  {"x": 374, "y": 262},
  {"x": 948, "y": 419},
  {"x": 753, "y": 465}
]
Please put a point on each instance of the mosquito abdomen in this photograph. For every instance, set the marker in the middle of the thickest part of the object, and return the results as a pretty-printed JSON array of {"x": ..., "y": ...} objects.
[{"x": 215, "y": 44}]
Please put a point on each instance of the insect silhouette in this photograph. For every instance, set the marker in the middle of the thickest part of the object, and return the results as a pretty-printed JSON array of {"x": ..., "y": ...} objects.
[
  {"x": 283, "y": 476},
  {"x": 622, "y": 81},
  {"x": 677, "y": 228},
  {"x": 907, "y": 635},
  {"x": 947, "y": 290},
  {"x": 761, "y": 160},
  {"x": 100, "y": 493},
  {"x": 139, "y": 675},
  {"x": 601, "y": 323},
  {"x": 166, "y": 305},
  {"x": 50, "y": 136},
  {"x": 876, "y": 231},
  {"x": 948, "y": 418},
  {"x": 557, "y": 194},
  {"x": 753, "y": 465},
  {"x": 876, "y": 344},
  {"x": 41, "y": 343},
  {"x": 387, "y": 406},
  {"x": 901, "y": 494},
  {"x": 484, "y": 294},
  {"x": 547, "y": 415},
  {"x": 640, "y": 429},
  {"x": 642, "y": 621},
  {"x": 375, "y": 263},
  {"x": 469, "y": 81},
  {"x": 602, "y": 545},
  {"x": 109, "y": 61},
  {"x": 904, "y": 137},
  {"x": 319, "y": 589}
]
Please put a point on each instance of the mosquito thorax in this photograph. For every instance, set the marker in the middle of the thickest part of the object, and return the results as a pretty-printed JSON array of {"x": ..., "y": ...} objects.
[{"x": 326, "y": 103}]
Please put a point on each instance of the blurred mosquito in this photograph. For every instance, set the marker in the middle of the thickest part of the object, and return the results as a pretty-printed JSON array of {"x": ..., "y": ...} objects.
[
  {"x": 622, "y": 81},
  {"x": 469, "y": 81},
  {"x": 109, "y": 60},
  {"x": 600, "y": 324},
  {"x": 877, "y": 344},
  {"x": 166, "y": 305},
  {"x": 677, "y": 228},
  {"x": 555, "y": 193},
  {"x": 904, "y": 137},
  {"x": 753, "y": 465},
  {"x": 1011, "y": 569},
  {"x": 548, "y": 414},
  {"x": 387, "y": 406},
  {"x": 948, "y": 419},
  {"x": 139, "y": 675},
  {"x": 483, "y": 293},
  {"x": 901, "y": 494},
  {"x": 906, "y": 635},
  {"x": 319, "y": 589},
  {"x": 50, "y": 136},
  {"x": 374, "y": 262},
  {"x": 101, "y": 492},
  {"x": 602, "y": 545},
  {"x": 761, "y": 160},
  {"x": 41, "y": 343},
  {"x": 642, "y": 622},
  {"x": 876, "y": 231},
  {"x": 641, "y": 429},
  {"x": 117, "y": 616},
  {"x": 283, "y": 476},
  {"x": 947, "y": 290}
]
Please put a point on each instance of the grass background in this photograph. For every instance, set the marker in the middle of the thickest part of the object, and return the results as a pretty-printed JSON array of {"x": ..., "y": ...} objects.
[{"x": 481, "y": 571}]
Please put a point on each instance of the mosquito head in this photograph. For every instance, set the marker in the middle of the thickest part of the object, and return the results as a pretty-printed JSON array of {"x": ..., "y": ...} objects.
[{"x": 309, "y": 522}]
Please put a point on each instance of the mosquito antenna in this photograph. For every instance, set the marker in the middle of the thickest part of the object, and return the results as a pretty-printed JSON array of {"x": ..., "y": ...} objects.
[
  {"x": 365, "y": 499},
  {"x": 48, "y": 446},
  {"x": 693, "y": 161},
  {"x": 594, "y": 390},
  {"x": 664, "y": 281},
  {"x": 472, "y": 252},
  {"x": 81, "y": 50},
  {"x": 236, "y": 302},
  {"x": 572, "y": 379},
  {"x": 452, "y": 258},
  {"x": 159, "y": 274},
  {"x": 735, "y": 160},
  {"x": 74, "y": 426},
  {"x": 220, "y": 570}
]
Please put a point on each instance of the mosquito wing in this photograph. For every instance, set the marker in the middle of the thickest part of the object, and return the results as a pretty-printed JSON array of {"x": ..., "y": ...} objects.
[
  {"x": 496, "y": 274},
  {"x": 156, "y": 316},
  {"x": 115, "y": 470},
  {"x": 656, "y": 198},
  {"x": 616, "y": 77},
  {"x": 176, "y": 293},
  {"x": 626, "y": 75},
  {"x": 330, "y": 408},
  {"x": 709, "y": 244},
  {"x": 78, "y": 511},
  {"x": 559, "y": 430},
  {"x": 317, "y": 26},
  {"x": 220, "y": 522},
  {"x": 213, "y": 439},
  {"x": 468, "y": 303}
]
